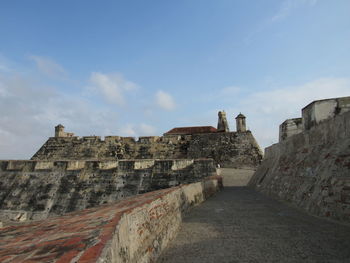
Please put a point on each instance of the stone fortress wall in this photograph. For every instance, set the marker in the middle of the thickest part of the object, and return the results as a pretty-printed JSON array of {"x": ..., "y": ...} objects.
[
  {"x": 229, "y": 149},
  {"x": 310, "y": 166},
  {"x": 38, "y": 189}
]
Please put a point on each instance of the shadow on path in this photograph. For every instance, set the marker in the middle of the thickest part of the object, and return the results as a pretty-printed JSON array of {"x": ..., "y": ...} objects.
[{"x": 241, "y": 225}]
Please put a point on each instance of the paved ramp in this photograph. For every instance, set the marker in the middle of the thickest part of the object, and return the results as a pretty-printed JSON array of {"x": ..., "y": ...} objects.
[
  {"x": 241, "y": 225},
  {"x": 235, "y": 177}
]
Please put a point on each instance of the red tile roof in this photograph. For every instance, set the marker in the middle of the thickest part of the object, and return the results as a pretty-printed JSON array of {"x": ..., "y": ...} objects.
[{"x": 191, "y": 130}]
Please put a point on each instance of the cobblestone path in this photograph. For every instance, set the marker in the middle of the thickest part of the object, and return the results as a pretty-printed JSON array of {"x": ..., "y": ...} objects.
[{"x": 241, "y": 225}]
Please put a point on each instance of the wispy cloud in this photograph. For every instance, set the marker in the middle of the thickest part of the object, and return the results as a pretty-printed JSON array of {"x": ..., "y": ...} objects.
[
  {"x": 146, "y": 129},
  {"x": 288, "y": 6},
  {"x": 141, "y": 129},
  {"x": 165, "y": 100},
  {"x": 49, "y": 67},
  {"x": 223, "y": 95},
  {"x": 128, "y": 130},
  {"x": 229, "y": 91},
  {"x": 111, "y": 86},
  {"x": 4, "y": 64},
  {"x": 285, "y": 9},
  {"x": 290, "y": 98},
  {"x": 3, "y": 67}
]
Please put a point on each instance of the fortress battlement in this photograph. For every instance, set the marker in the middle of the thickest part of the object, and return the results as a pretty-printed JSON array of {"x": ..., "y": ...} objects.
[
  {"x": 163, "y": 165},
  {"x": 229, "y": 149}
]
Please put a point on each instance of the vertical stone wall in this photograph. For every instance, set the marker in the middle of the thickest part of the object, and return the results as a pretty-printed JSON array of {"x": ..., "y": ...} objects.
[
  {"x": 321, "y": 110},
  {"x": 290, "y": 127},
  {"x": 311, "y": 169}
]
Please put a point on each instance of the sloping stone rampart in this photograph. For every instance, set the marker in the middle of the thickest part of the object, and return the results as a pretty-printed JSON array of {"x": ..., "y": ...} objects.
[
  {"x": 38, "y": 189},
  {"x": 229, "y": 149},
  {"x": 133, "y": 230},
  {"x": 311, "y": 169}
]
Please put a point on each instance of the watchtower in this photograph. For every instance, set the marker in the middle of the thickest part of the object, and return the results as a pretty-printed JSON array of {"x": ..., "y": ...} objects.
[
  {"x": 59, "y": 131},
  {"x": 240, "y": 123}
]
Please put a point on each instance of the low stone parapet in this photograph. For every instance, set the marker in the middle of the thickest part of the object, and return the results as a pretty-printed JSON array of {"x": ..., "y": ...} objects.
[{"x": 132, "y": 230}]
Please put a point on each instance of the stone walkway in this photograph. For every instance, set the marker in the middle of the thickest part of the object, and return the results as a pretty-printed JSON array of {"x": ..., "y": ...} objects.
[{"x": 241, "y": 225}]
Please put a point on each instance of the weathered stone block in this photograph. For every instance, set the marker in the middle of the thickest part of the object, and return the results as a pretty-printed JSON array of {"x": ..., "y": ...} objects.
[
  {"x": 16, "y": 165},
  {"x": 43, "y": 165},
  {"x": 143, "y": 164},
  {"x": 106, "y": 165},
  {"x": 181, "y": 164},
  {"x": 75, "y": 165}
]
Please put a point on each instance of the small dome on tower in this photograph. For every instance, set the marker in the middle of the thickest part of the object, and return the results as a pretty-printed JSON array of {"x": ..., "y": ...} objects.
[{"x": 240, "y": 115}]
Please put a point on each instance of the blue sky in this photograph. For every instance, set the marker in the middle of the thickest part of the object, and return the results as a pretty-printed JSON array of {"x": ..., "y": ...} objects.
[{"x": 136, "y": 68}]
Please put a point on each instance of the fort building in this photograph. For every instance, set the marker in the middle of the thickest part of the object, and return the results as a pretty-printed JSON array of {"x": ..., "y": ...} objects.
[{"x": 229, "y": 149}]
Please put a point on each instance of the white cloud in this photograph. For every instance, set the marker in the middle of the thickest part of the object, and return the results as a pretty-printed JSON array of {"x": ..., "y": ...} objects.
[
  {"x": 229, "y": 91},
  {"x": 288, "y": 6},
  {"x": 128, "y": 130},
  {"x": 3, "y": 67},
  {"x": 223, "y": 95},
  {"x": 111, "y": 86},
  {"x": 291, "y": 97},
  {"x": 266, "y": 110},
  {"x": 165, "y": 100},
  {"x": 147, "y": 130},
  {"x": 49, "y": 67},
  {"x": 5, "y": 64},
  {"x": 3, "y": 91},
  {"x": 137, "y": 130}
]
